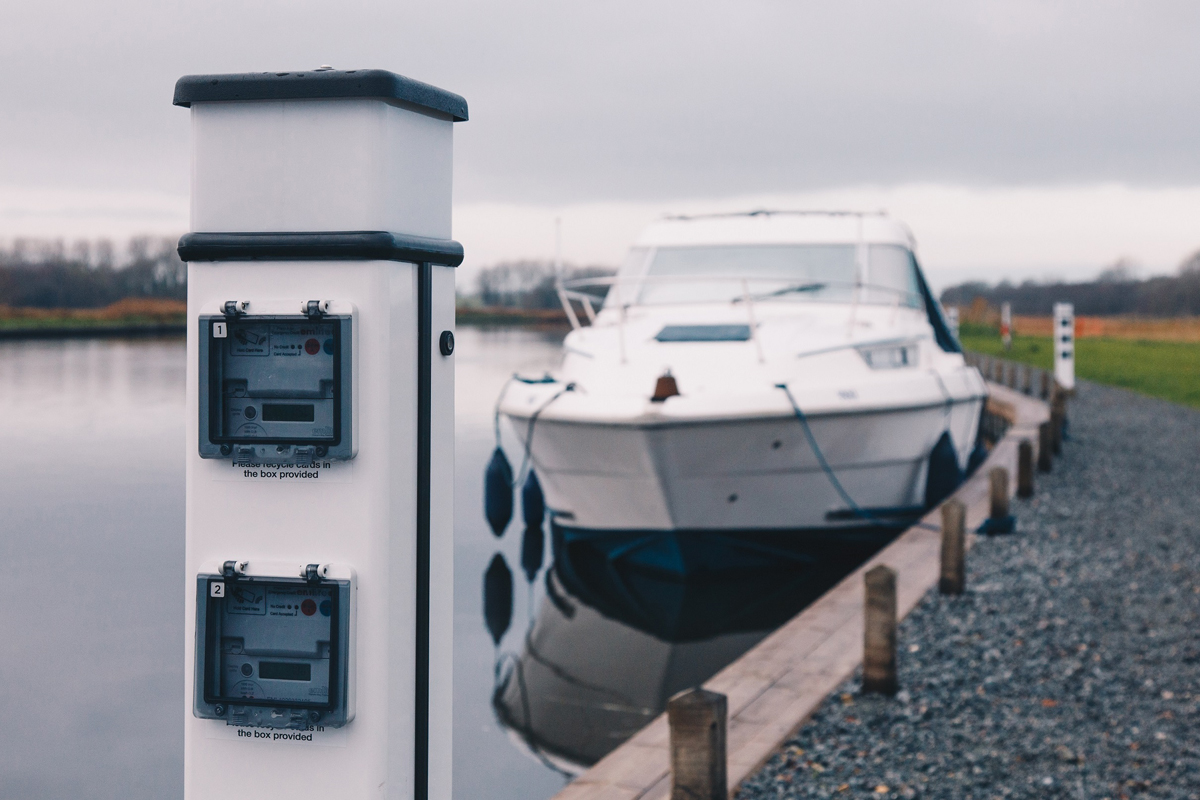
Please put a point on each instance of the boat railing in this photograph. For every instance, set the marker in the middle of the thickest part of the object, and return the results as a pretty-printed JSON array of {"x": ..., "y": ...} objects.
[{"x": 572, "y": 290}]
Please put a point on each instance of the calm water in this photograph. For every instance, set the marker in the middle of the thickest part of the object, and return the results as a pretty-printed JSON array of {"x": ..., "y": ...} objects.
[{"x": 91, "y": 605}]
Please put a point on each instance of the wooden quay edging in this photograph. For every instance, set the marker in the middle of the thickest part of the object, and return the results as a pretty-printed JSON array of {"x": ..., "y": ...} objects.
[{"x": 774, "y": 688}]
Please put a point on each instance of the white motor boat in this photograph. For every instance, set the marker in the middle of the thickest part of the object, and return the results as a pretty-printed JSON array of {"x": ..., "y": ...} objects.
[{"x": 760, "y": 372}]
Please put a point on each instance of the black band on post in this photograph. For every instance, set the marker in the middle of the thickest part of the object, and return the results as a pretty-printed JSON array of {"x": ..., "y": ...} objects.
[
  {"x": 424, "y": 501},
  {"x": 320, "y": 246}
]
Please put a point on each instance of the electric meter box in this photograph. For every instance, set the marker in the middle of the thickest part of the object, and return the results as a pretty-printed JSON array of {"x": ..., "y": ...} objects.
[
  {"x": 277, "y": 388},
  {"x": 275, "y": 651}
]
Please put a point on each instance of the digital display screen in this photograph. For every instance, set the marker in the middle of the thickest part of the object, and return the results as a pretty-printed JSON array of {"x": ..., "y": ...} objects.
[
  {"x": 281, "y": 412},
  {"x": 284, "y": 671}
]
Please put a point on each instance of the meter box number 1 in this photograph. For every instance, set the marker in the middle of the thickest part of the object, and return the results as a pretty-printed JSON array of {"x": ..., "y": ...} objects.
[
  {"x": 276, "y": 389},
  {"x": 273, "y": 652}
]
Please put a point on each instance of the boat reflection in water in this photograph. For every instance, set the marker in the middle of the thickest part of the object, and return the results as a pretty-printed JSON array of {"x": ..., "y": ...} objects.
[{"x": 627, "y": 622}]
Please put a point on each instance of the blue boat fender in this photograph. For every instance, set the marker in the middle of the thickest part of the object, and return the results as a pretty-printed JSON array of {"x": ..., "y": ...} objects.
[
  {"x": 978, "y": 456},
  {"x": 497, "y": 598},
  {"x": 533, "y": 551},
  {"x": 498, "y": 492},
  {"x": 945, "y": 475},
  {"x": 533, "y": 503}
]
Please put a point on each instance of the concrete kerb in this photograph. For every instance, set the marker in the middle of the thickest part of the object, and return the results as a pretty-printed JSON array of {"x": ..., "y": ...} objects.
[{"x": 798, "y": 665}]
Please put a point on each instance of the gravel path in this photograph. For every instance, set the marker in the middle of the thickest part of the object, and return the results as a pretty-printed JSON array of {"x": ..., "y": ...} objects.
[{"x": 1069, "y": 668}]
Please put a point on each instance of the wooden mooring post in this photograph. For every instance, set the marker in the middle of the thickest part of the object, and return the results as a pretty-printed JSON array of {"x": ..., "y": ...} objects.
[
  {"x": 697, "y": 720},
  {"x": 1058, "y": 416},
  {"x": 1045, "y": 447},
  {"x": 1027, "y": 384},
  {"x": 954, "y": 547},
  {"x": 1045, "y": 391},
  {"x": 1025, "y": 469},
  {"x": 879, "y": 631},
  {"x": 999, "y": 519},
  {"x": 998, "y": 487}
]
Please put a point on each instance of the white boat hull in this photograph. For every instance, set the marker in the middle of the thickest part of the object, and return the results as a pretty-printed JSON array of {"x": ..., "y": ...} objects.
[{"x": 748, "y": 473}]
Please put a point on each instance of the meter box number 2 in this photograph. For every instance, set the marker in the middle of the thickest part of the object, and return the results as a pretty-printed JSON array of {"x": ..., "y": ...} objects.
[
  {"x": 273, "y": 651},
  {"x": 276, "y": 389}
]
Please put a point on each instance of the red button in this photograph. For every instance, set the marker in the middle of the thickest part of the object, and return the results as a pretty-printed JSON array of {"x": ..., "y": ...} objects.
[
  {"x": 312, "y": 347},
  {"x": 309, "y": 607}
]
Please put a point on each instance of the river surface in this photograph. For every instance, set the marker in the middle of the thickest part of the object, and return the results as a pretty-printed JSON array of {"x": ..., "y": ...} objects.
[{"x": 91, "y": 600}]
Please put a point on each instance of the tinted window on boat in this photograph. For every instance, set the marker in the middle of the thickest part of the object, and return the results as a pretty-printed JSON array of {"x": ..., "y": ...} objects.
[
  {"x": 891, "y": 276},
  {"x": 827, "y": 273}
]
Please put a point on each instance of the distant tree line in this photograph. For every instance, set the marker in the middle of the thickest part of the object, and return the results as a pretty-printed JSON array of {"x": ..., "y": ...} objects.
[
  {"x": 43, "y": 273},
  {"x": 1115, "y": 291},
  {"x": 530, "y": 284}
]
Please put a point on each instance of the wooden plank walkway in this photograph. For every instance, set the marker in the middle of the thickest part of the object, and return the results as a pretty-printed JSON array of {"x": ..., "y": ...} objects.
[{"x": 776, "y": 686}]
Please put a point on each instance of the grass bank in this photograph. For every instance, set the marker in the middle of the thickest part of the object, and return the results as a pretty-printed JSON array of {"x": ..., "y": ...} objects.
[
  {"x": 128, "y": 313},
  {"x": 1169, "y": 370}
]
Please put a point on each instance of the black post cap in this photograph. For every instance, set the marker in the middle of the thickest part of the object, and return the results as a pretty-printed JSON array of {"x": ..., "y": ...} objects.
[
  {"x": 319, "y": 85},
  {"x": 321, "y": 246}
]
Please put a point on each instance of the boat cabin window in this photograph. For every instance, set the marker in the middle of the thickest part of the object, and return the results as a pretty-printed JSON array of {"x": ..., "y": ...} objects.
[{"x": 823, "y": 273}]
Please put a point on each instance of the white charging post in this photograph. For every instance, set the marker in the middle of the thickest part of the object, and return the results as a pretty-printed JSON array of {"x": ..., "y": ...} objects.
[
  {"x": 1006, "y": 325},
  {"x": 320, "y": 436},
  {"x": 1064, "y": 345}
]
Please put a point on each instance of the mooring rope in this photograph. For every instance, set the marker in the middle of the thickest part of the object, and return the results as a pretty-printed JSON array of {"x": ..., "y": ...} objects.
[
  {"x": 859, "y": 511},
  {"x": 521, "y": 474}
]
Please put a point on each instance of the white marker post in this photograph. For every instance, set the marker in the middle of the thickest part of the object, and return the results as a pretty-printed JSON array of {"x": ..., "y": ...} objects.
[
  {"x": 1006, "y": 325},
  {"x": 1064, "y": 345},
  {"x": 320, "y": 436}
]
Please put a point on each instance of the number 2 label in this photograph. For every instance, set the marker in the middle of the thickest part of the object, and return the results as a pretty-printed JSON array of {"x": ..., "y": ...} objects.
[{"x": 216, "y": 589}]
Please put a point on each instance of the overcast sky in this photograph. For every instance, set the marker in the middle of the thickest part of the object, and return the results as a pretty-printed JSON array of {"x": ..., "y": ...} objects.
[{"x": 1017, "y": 138}]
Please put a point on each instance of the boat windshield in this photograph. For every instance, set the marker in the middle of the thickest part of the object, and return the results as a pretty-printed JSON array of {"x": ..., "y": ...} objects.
[{"x": 823, "y": 273}]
